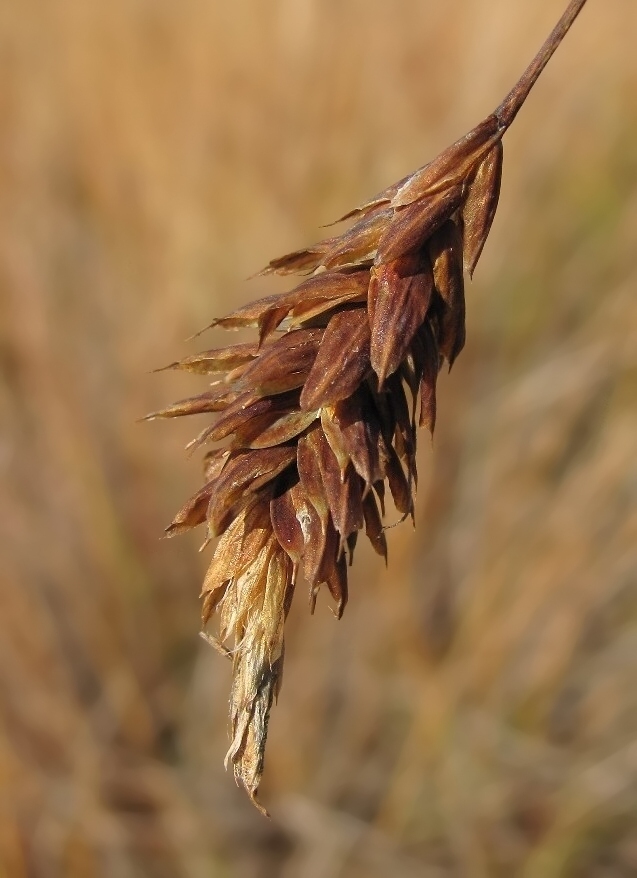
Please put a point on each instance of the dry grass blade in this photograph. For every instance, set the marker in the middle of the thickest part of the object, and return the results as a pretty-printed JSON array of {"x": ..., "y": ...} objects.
[{"x": 323, "y": 416}]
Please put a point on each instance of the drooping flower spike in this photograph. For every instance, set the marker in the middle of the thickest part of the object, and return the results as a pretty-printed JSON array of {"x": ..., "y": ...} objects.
[{"x": 319, "y": 415}]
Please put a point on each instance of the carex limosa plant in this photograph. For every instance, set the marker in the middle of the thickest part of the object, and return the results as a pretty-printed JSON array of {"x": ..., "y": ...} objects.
[{"x": 320, "y": 413}]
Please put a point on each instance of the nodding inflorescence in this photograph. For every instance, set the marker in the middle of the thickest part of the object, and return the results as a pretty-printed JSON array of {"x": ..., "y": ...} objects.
[{"x": 319, "y": 415}]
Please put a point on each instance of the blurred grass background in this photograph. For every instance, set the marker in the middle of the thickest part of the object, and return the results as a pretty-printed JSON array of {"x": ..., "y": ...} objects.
[{"x": 475, "y": 711}]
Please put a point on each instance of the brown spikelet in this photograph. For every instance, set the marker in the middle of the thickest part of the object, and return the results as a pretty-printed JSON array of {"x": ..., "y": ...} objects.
[
  {"x": 480, "y": 206},
  {"x": 411, "y": 226},
  {"x": 318, "y": 415},
  {"x": 445, "y": 251},
  {"x": 220, "y": 360},
  {"x": 342, "y": 361},
  {"x": 453, "y": 166},
  {"x": 399, "y": 297}
]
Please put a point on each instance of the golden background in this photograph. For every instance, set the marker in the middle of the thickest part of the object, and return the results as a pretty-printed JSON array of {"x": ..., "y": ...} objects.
[{"x": 475, "y": 711}]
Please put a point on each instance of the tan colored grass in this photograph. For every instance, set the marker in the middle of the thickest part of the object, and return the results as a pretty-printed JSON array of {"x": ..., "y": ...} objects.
[{"x": 138, "y": 170}]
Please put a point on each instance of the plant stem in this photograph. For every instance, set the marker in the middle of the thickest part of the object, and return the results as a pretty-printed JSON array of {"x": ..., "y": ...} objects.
[{"x": 509, "y": 107}]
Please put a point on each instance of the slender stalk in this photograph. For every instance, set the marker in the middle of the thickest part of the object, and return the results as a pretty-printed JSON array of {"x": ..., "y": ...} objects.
[{"x": 509, "y": 107}]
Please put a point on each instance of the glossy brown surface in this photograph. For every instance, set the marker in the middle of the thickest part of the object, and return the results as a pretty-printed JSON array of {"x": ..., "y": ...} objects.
[{"x": 474, "y": 709}]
